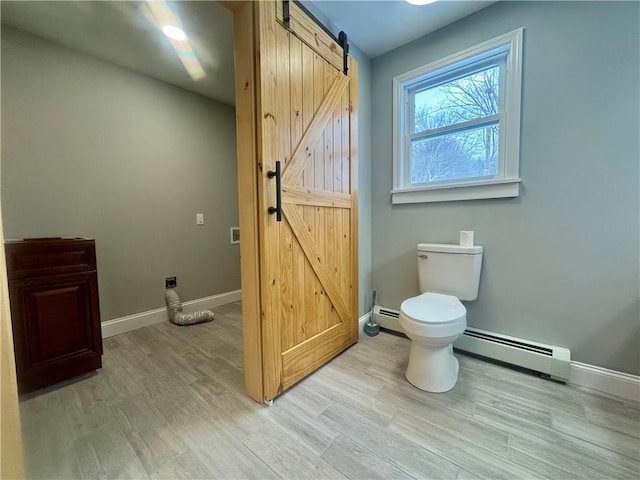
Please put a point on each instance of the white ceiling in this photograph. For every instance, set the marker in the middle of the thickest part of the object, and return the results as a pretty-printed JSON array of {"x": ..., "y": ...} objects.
[
  {"x": 123, "y": 32},
  {"x": 378, "y": 27}
]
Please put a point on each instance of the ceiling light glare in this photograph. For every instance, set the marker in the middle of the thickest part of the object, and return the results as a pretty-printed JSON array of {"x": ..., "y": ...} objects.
[
  {"x": 420, "y": 2},
  {"x": 174, "y": 33}
]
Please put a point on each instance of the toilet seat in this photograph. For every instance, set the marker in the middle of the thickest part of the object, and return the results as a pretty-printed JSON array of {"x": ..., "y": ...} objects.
[
  {"x": 433, "y": 308},
  {"x": 433, "y": 315}
]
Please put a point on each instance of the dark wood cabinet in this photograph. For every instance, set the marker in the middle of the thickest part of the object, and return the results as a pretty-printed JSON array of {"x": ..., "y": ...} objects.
[{"x": 55, "y": 312}]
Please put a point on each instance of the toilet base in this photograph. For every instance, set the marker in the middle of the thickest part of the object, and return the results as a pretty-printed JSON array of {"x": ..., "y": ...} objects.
[{"x": 433, "y": 369}]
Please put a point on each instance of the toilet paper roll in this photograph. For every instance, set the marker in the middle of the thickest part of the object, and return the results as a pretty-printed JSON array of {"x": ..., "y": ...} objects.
[{"x": 466, "y": 238}]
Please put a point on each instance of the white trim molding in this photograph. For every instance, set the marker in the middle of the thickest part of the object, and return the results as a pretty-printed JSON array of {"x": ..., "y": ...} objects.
[
  {"x": 600, "y": 379},
  {"x": 362, "y": 320},
  {"x": 505, "y": 188},
  {"x": 120, "y": 325}
]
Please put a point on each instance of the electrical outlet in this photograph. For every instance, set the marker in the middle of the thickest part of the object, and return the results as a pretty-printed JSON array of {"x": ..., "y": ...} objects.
[
  {"x": 171, "y": 282},
  {"x": 199, "y": 218}
]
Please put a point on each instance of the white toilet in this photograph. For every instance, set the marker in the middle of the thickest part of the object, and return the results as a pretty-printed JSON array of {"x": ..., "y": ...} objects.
[{"x": 436, "y": 318}]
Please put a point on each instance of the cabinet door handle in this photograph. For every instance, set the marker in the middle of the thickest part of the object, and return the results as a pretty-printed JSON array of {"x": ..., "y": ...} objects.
[{"x": 278, "y": 208}]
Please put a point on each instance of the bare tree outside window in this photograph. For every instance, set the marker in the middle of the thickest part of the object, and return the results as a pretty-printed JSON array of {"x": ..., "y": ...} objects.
[{"x": 456, "y": 153}]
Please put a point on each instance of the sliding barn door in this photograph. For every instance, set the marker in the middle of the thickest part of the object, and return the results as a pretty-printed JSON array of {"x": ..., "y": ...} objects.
[{"x": 307, "y": 155}]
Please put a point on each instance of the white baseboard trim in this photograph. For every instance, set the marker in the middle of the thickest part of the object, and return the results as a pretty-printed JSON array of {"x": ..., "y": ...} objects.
[
  {"x": 607, "y": 381},
  {"x": 362, "y": 320},
  {"x": 159, "y": 315},
  {"x": 212, "y": 301},
  {"x": 133, "y": 322}
]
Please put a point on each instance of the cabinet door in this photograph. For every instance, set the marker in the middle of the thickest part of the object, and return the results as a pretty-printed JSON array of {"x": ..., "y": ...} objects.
[{"x": 56, "y": 326}]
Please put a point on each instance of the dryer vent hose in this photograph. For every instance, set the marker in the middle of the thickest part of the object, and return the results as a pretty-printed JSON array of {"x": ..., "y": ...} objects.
[{"x": 174, "y": 309}]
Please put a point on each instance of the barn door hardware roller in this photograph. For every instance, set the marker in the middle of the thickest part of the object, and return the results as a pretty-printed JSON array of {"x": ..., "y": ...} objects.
[
  {"x": 342, "y": 36},
  {"x": 342, "y": 41},
  {"x": 286, "y": 18}
]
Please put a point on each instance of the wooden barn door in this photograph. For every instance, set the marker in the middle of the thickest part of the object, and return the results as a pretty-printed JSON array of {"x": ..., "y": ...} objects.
[{"x": 306, "y": 120}]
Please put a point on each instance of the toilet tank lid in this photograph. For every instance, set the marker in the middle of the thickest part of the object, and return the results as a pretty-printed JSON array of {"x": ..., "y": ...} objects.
[{"x": 448, "y": 248}]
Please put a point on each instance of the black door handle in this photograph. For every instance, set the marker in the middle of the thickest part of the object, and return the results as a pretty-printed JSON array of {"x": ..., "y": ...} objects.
[{"x": 278, "y": 208}]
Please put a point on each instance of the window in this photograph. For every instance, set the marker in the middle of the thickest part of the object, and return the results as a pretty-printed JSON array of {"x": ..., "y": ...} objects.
[{"x": 457, "y": 125}]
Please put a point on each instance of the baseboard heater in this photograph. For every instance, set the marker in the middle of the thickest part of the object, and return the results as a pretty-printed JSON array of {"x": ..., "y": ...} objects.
[{"x": 538, "y": 357}]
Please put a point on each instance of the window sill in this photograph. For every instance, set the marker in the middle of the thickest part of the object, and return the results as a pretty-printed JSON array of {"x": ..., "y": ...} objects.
[{"x": 504, "y": 188}]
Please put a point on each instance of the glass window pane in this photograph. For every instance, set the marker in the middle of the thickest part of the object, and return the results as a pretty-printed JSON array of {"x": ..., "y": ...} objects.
[
  {"x": 467, "y": 154},
  {"x": 467, "y": 98}
]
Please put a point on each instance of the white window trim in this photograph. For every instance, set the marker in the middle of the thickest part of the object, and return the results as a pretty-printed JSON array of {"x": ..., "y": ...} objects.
[{"x": 505, "y": 185}]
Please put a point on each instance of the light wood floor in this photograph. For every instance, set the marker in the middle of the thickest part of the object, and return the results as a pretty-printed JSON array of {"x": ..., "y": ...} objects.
[{"x": 169, "y": 403}]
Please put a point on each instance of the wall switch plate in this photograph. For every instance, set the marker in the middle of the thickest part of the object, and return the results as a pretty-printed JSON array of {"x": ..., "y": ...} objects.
[
  {"x": 199, "y": 218},
  {"x": 235, "y": 235},
  {"x": 171, "y": 282}
]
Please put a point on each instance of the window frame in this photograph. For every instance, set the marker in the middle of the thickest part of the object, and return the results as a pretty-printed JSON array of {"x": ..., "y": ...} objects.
[{"x": 506, "y": 183}]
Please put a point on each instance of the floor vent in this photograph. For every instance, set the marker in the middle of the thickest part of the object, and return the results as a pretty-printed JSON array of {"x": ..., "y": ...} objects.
[{"x": 538, "y": 357}]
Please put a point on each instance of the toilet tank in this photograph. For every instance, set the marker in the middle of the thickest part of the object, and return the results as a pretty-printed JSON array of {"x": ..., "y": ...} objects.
[{"x": 449, "y": 269}]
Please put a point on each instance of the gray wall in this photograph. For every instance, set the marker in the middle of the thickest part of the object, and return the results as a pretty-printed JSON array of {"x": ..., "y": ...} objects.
[
  {"x": 91, "y": 149},
  {"x": 364, "y": 164},
  {"x": 561, "y": 261},
  {"x": 364, "y": 178}
]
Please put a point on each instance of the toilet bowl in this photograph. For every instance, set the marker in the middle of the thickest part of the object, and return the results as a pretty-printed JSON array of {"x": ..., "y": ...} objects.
[{"x": 433, "y": 321}]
